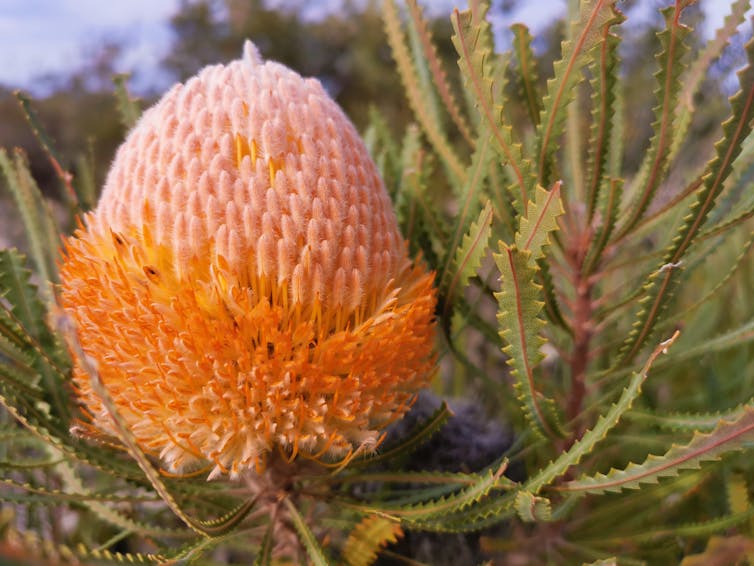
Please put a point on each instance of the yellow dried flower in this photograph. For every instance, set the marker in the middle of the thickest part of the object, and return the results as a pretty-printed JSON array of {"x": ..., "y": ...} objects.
[{"x": 242, "y": 284}]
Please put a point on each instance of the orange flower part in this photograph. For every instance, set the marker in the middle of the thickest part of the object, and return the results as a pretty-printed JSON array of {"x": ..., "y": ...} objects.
[{"x": 242, "y": 284}]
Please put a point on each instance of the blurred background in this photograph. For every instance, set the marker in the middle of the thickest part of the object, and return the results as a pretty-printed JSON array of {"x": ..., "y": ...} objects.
[{"x": 64, "y": 53}]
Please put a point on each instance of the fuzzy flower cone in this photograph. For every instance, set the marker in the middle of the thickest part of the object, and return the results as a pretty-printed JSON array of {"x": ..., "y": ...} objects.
[{"x": 242, "y": 285}]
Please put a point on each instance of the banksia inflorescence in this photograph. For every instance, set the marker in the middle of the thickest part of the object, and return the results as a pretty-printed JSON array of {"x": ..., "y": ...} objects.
[{"x": 242, "y": 285}]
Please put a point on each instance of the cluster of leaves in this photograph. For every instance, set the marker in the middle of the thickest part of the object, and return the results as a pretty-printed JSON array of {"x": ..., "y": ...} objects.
[{"x": 564, "y": 277}]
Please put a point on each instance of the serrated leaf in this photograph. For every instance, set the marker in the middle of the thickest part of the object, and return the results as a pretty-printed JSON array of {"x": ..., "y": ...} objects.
[
  {"x": 520, "y": 303},
  {"x": 668, "y": 77},
  {"x": 417, "y": 96},
  {"x": 694, "y": 78},
  {"x": 532, "y": 508},
  {"x": 540, "y": 220},
  {"x": 527, "y": 74},
  {"x": 25, "y": 326},
  {"x": 690, "y": 422},
  {"x": 602, "y": 143},
  {"x": 663, "y": 282},
  {"x": 370, "y": 535},
  {"x": 35, "y": 547},
  {"x": 704, "y": 447},
  {"x": 307, "y": 538},
  {"x": 65, "y": 177},
  {"x": 264, "y": 554},
  {"x": 587, "y": 32},
  {"x": 438, "y": 72},
  {"x": 549, "y": 294},
  {"x": 475, "y": 54},
  {"x": 434, "y": 509},
  {"x": 609, "y": 211},
  {"x": 17, "y": 289},
  {"x": 39, "y": 225},
  {"x": 468, "y": 204},
  {"x": 453, "y": 479},
  {"x": 604, "y": 424},
  {"x": 469, "y": 255}
]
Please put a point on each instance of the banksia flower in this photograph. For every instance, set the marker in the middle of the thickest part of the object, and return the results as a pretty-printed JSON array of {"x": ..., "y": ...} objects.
[{"x": 242, "y": 285}]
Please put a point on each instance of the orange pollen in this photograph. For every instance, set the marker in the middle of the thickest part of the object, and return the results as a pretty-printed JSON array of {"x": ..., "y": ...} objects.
[{"x": 242, "y": 283}]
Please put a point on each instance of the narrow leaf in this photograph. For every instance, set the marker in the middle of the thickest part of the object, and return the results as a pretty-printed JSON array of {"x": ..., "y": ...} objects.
[
  {"x": 429, "y": 510},
  {"x": 415, "y": 94},
  {"x": 656, "y": 160},
  {"x": 469, "y": 198},
  {"x": 527, "y": 74},
  {"x": 601, "y": 145},
  {"x": 307, "y": 538},
  {"x": 69, "y": 192},
  {"x": 663, "y": 282},
  {"x": 475, "y": 55},
  {"x": 469, "y": 255},
  {"x": 704, "y": 447},
  {"x": 438, "y": 72},
  {"x": 604, "y": 424},
  {"x": 520, "y": 303},
  {"x": 540, "y": 220},
  {"x": 588, "y": 30},
  {"x": 17, "y": 289},
  {"x": 39, "y": 225}
]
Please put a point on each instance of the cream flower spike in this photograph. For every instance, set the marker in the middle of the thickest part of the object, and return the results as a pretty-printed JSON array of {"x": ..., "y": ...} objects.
[{"x": 242, "y": 283}]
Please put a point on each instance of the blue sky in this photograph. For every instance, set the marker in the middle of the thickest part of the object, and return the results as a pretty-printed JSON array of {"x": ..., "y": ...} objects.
[{"x": 52, "y": 36}]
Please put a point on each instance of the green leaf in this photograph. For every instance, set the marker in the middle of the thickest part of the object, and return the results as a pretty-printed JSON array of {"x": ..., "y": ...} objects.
[
  {"x": 39, "y": 225},
  {"x": 655, "y": 165},
  {"x": 439, "y": 76},
  {"x": 663, "y": 282},
  {"x": 264, "y": 554},
  {"x": 604, "y": 232},
  {"x": 128, "y": 107},
  {"x": 65, "y": 177},
  {"x": 694, "y": 78},
  {"x": 17, "y": 289},
  {"x": 475, "y": 51},
  {"x": 540, "y": 220},
  {"x": 704, "y": 447},
  {"x": 307, "y": 538},
  {"x": 434, "y": 509},
  {"x": 526, "y": 71},
  {"x": 520, "y": 305},
  {"x": 417, "y": 96},
  {"x": 604, "y": 424},
  {"x": 595, "y": 17},
  {"x": 602, "y": 144},
  {"x": 468, "y": 205},
  {"x": 532, "y": 508},
  {"x": 468, "y": 256},
  {"x": 691, "y": 422},
  {"x": 25, "y": 326}
]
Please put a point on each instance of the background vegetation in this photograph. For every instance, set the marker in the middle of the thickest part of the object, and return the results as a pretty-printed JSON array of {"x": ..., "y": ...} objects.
[{"x": 560, "y": 500}]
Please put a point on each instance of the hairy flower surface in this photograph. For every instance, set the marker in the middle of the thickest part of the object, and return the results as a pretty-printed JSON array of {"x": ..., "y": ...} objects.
[{"x": 242, "y": 284}]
